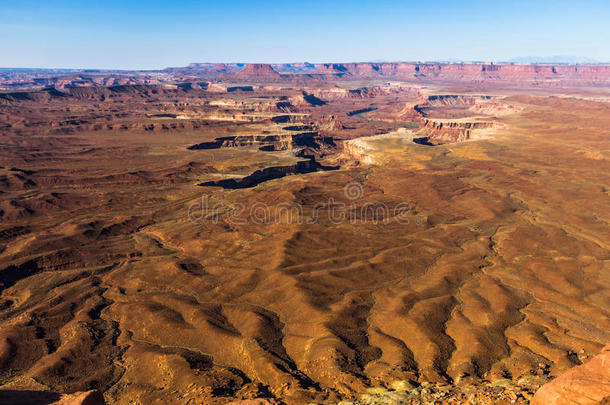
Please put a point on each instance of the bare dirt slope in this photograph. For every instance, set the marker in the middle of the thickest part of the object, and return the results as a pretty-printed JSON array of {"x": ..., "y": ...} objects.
[{"x": 456, "y": 265}]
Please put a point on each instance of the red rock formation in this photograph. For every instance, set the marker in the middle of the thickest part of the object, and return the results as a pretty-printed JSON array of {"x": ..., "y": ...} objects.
[
  {"x": 216, "y": 88},
  {"x": 329, "y": 124},
  {"x": 588, "y": 384},
  {"x": 549, "y": 75},
  {"x": 470, "y": 71},
  {"x": 258, "y": 71},
  {"x": 449, "y": 131},
  {"x": 332, "y": 68}
]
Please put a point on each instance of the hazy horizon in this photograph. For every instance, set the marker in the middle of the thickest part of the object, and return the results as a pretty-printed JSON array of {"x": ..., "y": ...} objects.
[{"x": 517, "y": 60}]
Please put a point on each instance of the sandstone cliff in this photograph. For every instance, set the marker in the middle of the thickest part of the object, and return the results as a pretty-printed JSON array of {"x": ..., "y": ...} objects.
[
  {"x": 440, "y": 131},
  {"x": 470, "y": 71},
  {"x": 588, "y": 384}
]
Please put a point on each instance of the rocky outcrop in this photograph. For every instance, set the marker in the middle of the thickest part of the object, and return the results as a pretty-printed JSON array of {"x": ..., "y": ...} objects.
[
  {"x": 455, "y": 99},
  {"x": 258, "y": 71},
  {"x": 462, "y": 125},
  {"x": 587, "y": 384},
  {"x": 338, "y": 93},
  {"x": 82, "y": 398},
  {"x": 360, "y": 150},
  {"x": 329, "y": 124},
  {"x": 460, "y": 105},
  {"x": 271, "y": 142},
  {"x": 332, "y": 68},
  {"x": 451, "y": 101},
  {"x": 441, "y": 131},
  {"x": 270, "y": 173},
  {"x": 306, "y": 100}
]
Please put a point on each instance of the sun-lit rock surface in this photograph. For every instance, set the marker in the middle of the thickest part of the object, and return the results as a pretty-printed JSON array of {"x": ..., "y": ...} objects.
[
  {"x": 588, "y": 384},
  {"x": 296, "y": 240}
]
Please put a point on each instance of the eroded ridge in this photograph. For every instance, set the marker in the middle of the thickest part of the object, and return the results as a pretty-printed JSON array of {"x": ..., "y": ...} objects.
[{"x": 120, "y": 272}]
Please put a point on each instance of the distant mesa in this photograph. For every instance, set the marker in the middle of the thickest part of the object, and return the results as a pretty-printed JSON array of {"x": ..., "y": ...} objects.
[
  {"x": 301, "y": 67},
  {"x": 258, "y": 70},
  {"x": 331, "y": 68}
]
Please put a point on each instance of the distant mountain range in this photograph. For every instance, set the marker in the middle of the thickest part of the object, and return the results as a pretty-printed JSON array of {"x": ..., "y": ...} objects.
[{"x": 553, "y": 59}]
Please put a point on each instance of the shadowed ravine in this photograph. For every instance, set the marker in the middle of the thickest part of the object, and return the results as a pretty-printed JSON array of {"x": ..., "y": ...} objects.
[{"x": 270, "y": 173}]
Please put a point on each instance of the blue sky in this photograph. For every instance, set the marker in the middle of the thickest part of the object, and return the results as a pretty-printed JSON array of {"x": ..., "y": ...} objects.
[{"x": 155, "y": 34}]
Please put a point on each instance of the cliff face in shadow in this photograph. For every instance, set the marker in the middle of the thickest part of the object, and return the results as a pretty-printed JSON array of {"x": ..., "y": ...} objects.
[{"x": 270, "y": 173}]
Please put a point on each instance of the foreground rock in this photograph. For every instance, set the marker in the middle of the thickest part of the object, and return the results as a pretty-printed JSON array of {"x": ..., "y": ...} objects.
[
  {"x": 583, "y": 385},
  {"x": 503, "y": 391}
]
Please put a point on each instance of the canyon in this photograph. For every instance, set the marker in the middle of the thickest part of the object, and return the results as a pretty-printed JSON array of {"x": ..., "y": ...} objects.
[{"x": 304, "y": 233}]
